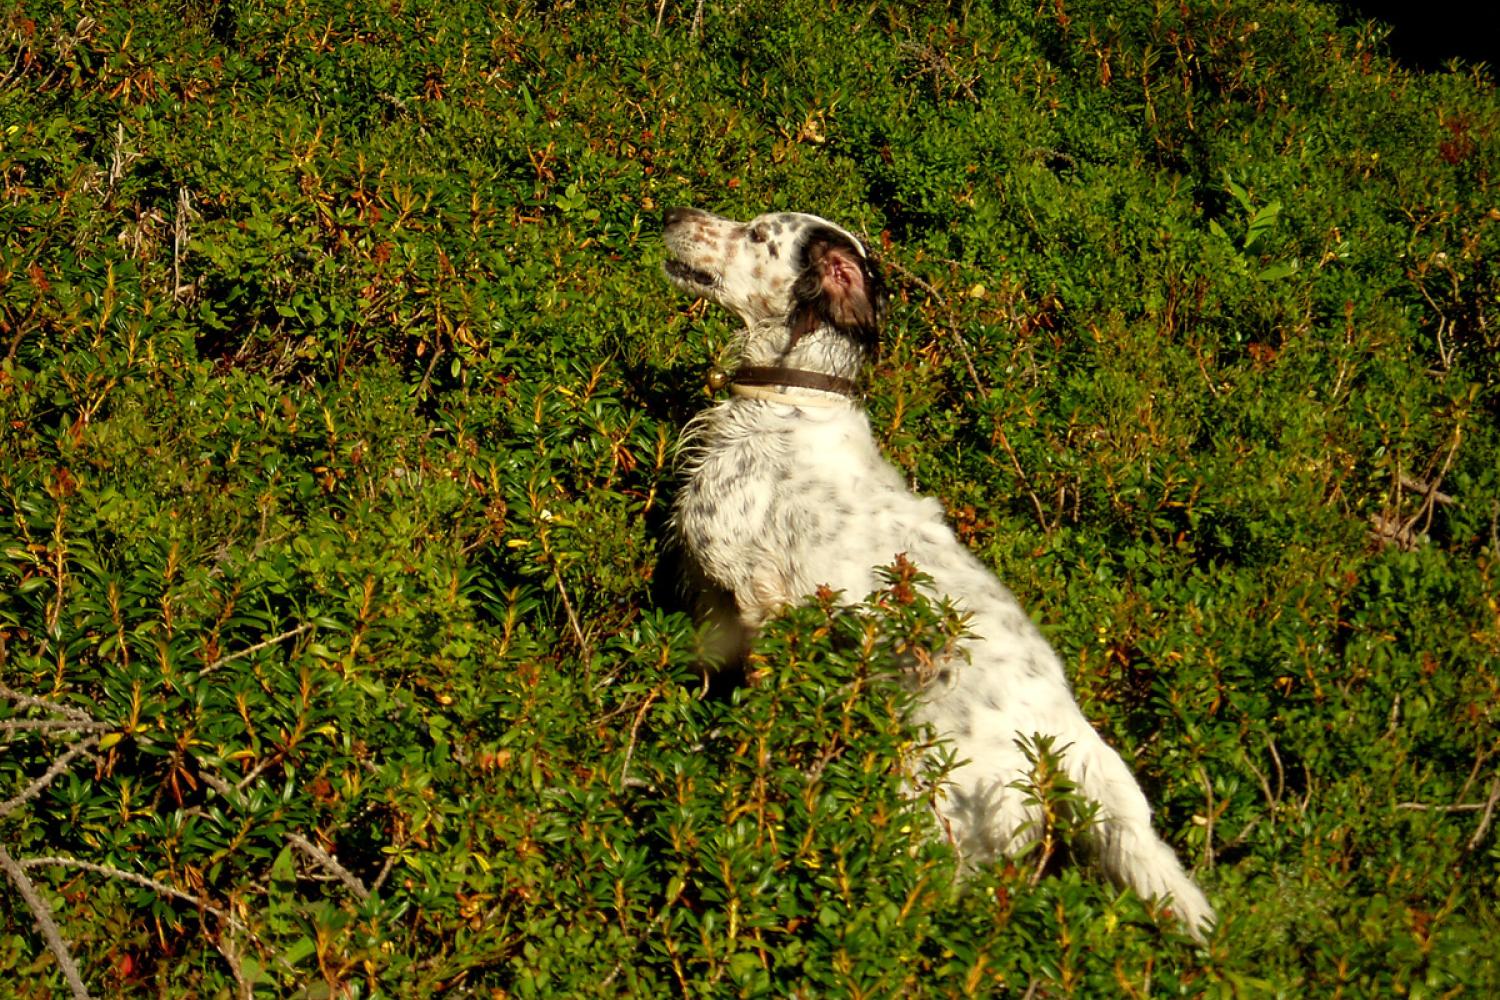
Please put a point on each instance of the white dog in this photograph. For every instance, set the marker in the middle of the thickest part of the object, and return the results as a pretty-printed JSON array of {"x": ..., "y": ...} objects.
[{"x": 786, "y": 491}]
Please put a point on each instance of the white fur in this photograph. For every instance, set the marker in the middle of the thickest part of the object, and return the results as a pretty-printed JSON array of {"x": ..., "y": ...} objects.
[{"x": 782, "y": 497}]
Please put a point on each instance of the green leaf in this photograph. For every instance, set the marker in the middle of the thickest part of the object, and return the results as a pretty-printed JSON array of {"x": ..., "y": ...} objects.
[
  {"x": 298, "y": 950},
  {"x": 1277, "y": 271}
]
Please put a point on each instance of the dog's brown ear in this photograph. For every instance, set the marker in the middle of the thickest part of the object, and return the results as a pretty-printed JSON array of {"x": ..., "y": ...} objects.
[{"x": 838, "y": 286}]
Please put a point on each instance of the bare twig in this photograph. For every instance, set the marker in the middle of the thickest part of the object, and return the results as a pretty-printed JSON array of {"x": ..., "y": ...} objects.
[
  {"x": 1390, "y": 526},
  {"x": 1457, "y": 807},
  {"x": 43, "y": 725},
  {"x": 1486, "y": 819},
  {"x": 257, "y": 771},
  {"x": 59, "y": 765},
  {"x": 385, "y": 870},
  {"x": 813, "y": 773},
  {"x": 1280, "y": 772},
  {"x": 1428, "y": 486},
  {"x": 160, "y": 888},
  {"x": 330, "y": 864},
  {"x": 1312, "y": 788},
  {"x": 583, "y": 643},
  {"x": 1242, "y": 836},
  {"x": 221, "y": 786},
  {"x": 938, "y": 64},
  {"x": 421, "y": 392},
  {"x": 1041, "y": 514},
  {"x": 1208, "y": 819},
  {"x": 42, "y": 914},
  {"x": 325, "y": 860},
  {"x": 283, "y": 637},
  {"x": 12, "y": 73},
  {"x": 1426, "y": 490},
  {"x": 180, "y": 235},
  {"x": 1480, "y": 759},
  {"x": 231, "y": 953},
  {"x": 1265, "y": 786},
  {"x": 585, "y": 651},
  {"x": 55, "y": 707},
  {"x": 166, "y": 891},
  {"x": 120, "y": 158},
  {"x": 635, "y": 728},
  {"x": 603, "y": 983}
]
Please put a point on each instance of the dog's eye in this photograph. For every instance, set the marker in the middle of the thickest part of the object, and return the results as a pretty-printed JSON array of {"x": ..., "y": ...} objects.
[{"x": 757, "y": 235}]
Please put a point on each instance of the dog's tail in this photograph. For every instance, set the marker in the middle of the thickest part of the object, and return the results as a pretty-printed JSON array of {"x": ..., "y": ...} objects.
[{"x": 1124, "y": 843}]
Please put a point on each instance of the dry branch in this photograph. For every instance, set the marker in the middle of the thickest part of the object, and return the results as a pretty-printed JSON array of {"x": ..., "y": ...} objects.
[
  {"x": 635, "y": 728},
  {"x": 330, "y": 864},
  {"x": 1486, "y": 819},
  {"x": 55, "y": 725},
  {"x": 1457, "y": 807},
  {"x": 55, "y": 707},
  {"x": 60, "y": 765},
  {"x": 160, "y": 888},
  {"x": 42, "y": 914},
  {"x": 283, "y": 637},
  {"x": 317, "y": 854}
]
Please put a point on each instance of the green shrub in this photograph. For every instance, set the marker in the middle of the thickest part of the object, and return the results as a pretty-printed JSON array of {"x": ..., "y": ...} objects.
[{"x": 337, "y": 411}]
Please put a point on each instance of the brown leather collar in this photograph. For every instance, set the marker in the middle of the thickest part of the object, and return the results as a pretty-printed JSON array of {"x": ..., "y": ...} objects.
[{"x": 798, "y": 378}]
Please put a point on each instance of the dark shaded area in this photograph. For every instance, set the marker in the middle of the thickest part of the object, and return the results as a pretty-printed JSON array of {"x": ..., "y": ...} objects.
[{"x": 1428, "y": 35}]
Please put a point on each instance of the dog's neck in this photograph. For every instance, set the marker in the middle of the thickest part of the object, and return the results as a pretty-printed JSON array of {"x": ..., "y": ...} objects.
[{"x": 824, "y": 351}]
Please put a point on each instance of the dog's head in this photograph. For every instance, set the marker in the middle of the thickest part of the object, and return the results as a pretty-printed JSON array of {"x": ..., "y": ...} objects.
[{"x": 784, "y": 267}]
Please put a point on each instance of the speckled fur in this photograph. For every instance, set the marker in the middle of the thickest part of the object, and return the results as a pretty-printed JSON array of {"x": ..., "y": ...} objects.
[{"x": 786, "y": 495}]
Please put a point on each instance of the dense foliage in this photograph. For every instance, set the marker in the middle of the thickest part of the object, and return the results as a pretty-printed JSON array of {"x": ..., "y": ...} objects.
[{"x": 338, "y": 656}]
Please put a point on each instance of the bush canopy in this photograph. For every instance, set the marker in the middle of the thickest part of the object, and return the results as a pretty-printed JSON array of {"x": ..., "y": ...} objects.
[{"x": 339, "y": 656}]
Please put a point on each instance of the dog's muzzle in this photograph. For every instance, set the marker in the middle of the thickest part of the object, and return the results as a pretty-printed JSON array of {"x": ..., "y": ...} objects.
[{"x": 679, "y": 271}]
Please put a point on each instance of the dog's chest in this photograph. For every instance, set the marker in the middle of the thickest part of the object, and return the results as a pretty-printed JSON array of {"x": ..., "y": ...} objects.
[{"x": 777, "y": 481}]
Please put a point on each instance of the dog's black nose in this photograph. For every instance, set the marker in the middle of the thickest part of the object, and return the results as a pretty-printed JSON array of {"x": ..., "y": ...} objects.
[{"x": 672, "y": 216}]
